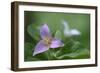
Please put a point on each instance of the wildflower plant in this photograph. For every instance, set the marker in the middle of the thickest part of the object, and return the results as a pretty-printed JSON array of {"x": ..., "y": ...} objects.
[{"x": 58, "y": 45}]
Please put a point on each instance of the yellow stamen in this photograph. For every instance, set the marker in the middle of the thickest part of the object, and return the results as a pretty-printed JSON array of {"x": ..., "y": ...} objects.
[{"x": 47, "y": 41}]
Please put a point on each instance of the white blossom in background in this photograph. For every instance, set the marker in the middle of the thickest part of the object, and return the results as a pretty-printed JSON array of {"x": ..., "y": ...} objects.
[{"x": 68, "y": 31}]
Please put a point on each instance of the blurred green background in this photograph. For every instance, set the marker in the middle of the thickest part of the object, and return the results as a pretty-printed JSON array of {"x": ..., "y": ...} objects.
[{"x": 33, "y": 20}]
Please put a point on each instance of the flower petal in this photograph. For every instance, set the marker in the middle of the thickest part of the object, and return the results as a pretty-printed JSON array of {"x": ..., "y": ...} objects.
[
  {"x": 66, "y": 28},
  {"x": 40, "y": 47},
  {"x": 65, "y": 25},
  {"x": 44, "y": 31},
  {"x": 56, "y": 43},
  {"x": 75, "y": 32}
]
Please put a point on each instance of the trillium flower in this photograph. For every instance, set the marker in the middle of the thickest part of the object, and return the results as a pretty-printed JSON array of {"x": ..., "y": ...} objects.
[
  {"x": 47, "y": 41},
  {"x": 68, "y": 31}
]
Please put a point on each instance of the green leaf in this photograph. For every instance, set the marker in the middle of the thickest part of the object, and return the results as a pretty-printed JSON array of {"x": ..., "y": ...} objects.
[
  {"x": 33, "y": 31},
  {"x": 83, "y": 53},
  {"x": 80, "y": 53},
  {"x": 58, "y": 34},
  {"x": 33, "y": 59},
  {"x": 28, "y": 50},
  {"x": 76, "y": 45}
]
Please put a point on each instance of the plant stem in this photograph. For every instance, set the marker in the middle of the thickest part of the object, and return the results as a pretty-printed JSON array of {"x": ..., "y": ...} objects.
[{"x": 49, "y": 54}]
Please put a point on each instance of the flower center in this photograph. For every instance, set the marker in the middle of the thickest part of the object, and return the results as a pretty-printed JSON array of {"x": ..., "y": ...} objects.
[{"x": 47, "y": 41}]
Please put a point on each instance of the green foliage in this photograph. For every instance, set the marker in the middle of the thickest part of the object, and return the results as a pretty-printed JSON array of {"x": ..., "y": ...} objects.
[
  {"x": 58, "y": 34},
  {"x": 76, "y": 47},
  {"x": 33, "y": 31}
]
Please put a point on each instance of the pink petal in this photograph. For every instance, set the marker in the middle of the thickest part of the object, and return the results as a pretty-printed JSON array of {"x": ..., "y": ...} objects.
[
  {"x": 44, "y": 31},
  {"x": 40, "y": 47},
  {"x": 56, "y": 43}
]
